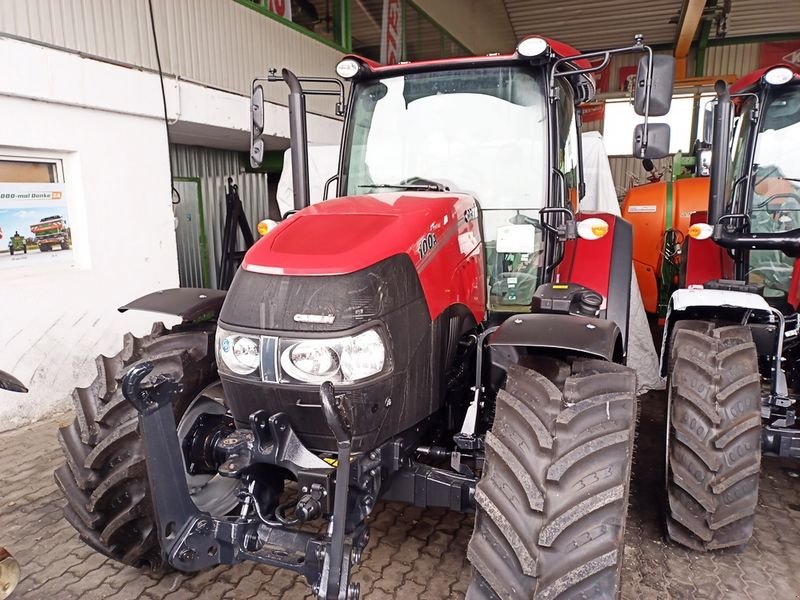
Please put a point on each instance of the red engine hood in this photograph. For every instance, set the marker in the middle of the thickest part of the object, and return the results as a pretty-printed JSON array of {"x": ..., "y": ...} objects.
[{"x": 348, "y": 234}]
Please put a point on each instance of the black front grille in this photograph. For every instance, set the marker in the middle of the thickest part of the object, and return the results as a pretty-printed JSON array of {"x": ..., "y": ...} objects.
[{"x": 270, "y": 302}]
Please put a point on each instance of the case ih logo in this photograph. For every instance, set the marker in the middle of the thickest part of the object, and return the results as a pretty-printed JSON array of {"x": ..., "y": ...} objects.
[{"x": 793, "y": 58}]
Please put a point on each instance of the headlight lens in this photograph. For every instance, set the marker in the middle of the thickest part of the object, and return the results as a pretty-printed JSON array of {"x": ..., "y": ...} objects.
[
  {"x": 239, "y": 353},
  {"x": 310, "y": 361},
  {"x": 363, "y": 356},
  {"x": 338, "y": 360}
]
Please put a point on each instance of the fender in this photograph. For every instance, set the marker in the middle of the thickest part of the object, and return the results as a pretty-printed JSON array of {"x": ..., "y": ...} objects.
[
  {"x": 599, "y": 338},
  {"x": 11, "y": 384},
  {"x": 190, "y": 304},
  {"x": 700, "y": 303}
]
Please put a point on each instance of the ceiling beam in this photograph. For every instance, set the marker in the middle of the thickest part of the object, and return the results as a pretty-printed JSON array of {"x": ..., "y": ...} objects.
[{"x": 691, "y": 14}]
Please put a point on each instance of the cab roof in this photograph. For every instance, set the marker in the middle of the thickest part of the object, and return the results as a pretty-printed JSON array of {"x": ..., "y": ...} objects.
[
  {"x": 557, "y": 49},
  {"x": 752, "y": 80}
]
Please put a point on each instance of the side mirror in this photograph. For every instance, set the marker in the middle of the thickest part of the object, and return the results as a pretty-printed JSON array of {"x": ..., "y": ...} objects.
[
  {"x": 256, "y": 126},
  {"x": 662, "y": 80},
  {"x": 648, "y": 165},
  {"x": 708, "y": 121},
  {"x": 657, "y": 143}
]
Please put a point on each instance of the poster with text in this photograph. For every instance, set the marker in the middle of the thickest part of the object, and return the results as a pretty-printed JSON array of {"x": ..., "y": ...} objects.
[{"x": 34, "y": 226}]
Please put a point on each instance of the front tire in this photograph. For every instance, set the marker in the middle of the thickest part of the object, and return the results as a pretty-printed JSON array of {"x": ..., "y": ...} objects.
[
  {"x": 104, "y": 478},
  {"x": 552, "y": 501},
  {"x": 714, "y": 436}
]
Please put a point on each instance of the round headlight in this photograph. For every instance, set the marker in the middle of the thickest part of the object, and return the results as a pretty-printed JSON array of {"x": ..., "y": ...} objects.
[
  {"x": 240, "y": 354},
  {"x": 778, "y": 76},
  {"x": 310, "y": 361},
  {"x": 531, "y": 47},
  {"x": 347, "y": 68},
  {"x": 363, "y": 356}
]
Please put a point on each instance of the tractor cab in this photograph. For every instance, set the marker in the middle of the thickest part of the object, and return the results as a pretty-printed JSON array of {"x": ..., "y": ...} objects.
[
  {"x": 503, "y": 130},
  {"x": 763, "y": 184}
]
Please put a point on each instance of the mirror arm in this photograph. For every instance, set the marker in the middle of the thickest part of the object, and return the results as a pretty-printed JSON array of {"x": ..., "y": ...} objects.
[
  {"x": 604, "y": 54},
  {"x": 340, "y": 105}
]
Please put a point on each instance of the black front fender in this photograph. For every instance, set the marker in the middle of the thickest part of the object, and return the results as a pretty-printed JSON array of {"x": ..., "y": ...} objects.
[
  {"x": 568, "y": 333},
  {"x": 190, "y": 304},
  {"x": 10, "y": 383}
]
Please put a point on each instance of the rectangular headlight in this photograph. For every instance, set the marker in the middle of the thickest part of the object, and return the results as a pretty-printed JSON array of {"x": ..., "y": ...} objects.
[
  {"x": 347, "y": 359},
  {"x": 238, "y": 353}
]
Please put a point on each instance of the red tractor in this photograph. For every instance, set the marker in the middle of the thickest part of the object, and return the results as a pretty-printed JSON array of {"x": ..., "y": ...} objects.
[
  {"x": 731, "y": 337},
  {"x": 446, "y": 333}
]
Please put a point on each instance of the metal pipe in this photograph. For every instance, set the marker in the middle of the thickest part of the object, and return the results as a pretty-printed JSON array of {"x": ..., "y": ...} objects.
[
  {"x": 720, "y": 145},
  {"x": 299, "y": 139}
]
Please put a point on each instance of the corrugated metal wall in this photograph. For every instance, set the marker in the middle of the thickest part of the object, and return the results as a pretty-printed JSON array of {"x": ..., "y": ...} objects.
[
  {"x": 732, "y": 59},
  {"x": 213, "y": 167},
  {"x": 218, "y": 43}
]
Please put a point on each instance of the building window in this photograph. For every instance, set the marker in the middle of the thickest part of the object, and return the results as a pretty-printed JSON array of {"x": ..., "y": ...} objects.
[{"x": 25, "y": 170}]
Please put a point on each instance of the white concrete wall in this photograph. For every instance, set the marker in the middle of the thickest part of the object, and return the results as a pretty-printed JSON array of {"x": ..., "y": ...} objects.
[
  {"x": 54, "y": 322},
  {"x": 105, "y": 122}
]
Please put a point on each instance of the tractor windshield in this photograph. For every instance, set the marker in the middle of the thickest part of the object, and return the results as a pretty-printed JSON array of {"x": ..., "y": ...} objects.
[
  {"x": 480, "y": 131},
  {"x": 775, "y": 205}
]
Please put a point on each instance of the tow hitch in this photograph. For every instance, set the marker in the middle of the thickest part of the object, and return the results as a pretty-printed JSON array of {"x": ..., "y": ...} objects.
[{"x": 193, "y": 540}]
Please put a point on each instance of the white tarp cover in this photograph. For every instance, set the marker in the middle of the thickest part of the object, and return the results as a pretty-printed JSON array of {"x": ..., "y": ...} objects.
[
  {"x": 601, "y": 196},
  {"x": 323, "y": 163}
]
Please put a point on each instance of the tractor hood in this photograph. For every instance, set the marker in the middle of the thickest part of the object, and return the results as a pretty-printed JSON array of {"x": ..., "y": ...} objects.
[{"x": 348, "y": 234}]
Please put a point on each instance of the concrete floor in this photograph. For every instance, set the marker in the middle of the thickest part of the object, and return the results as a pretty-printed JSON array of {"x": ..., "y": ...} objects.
[{"x": 412, "y": 554}]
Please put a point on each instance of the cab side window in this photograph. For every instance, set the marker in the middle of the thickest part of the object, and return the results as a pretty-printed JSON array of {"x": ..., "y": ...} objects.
[{"x": 568, "y": 155}]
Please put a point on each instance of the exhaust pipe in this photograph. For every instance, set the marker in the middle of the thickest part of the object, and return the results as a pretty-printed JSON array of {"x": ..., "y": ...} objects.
[
  {"x": 720, "y": 159},
  {"x": 299, "y": 139}
]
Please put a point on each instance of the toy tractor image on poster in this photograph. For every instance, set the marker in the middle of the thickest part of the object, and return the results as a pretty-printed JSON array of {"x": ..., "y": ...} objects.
[
  {"x": 447, "y": 332},
  {"x": 51, "y": 232},
  {"x": 17, "y": 244}
]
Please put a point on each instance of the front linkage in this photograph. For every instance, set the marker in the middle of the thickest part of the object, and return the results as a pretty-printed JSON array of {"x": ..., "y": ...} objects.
[{"x": 192, "y": 540}]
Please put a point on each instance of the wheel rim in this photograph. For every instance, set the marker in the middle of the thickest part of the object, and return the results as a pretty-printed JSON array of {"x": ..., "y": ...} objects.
[{"x": 213, "y": 494}]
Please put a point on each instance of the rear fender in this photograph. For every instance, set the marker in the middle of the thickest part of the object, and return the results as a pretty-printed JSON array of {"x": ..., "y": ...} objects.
[
  {"x": 558, "y": 333},
  {"x": 704, "y": 304},
  {"x": 190, "y": 304}
]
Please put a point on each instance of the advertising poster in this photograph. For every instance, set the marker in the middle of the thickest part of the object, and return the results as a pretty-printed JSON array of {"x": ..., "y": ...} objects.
[
  {"x": 282, "y": 8},
  {"x": 34, "y": 226},
  {"x": 391, "y": 32},
  {"x": 774, "y": 53}
]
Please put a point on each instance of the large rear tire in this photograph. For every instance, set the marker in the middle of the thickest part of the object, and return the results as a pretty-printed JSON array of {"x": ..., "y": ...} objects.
[
  {"x": 552, "y": 501},
  {"x": 105, "y": 476},
  {"x": 714, "y": 435}
]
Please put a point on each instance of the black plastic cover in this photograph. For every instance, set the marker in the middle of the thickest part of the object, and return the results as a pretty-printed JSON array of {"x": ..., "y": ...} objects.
[
  {"x": 570, "y": 333},
  {"x": 188, "y": 303},
  {"x": 734, "y": 285},
  {"x": 281, "y": 302}
]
